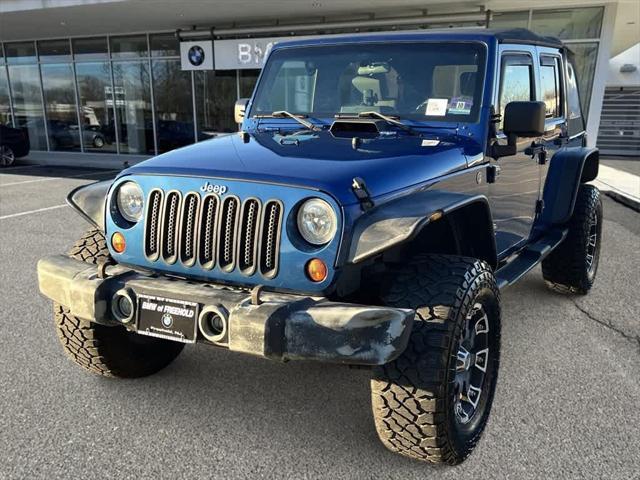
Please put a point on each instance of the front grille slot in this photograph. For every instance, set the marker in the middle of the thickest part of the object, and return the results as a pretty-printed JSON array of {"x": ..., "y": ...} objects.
[
  {"x": 227, "y": 236},
  {"x": 169, "y": 230},
  {"x": 188, "y": 229},
  {"x": 270, "y": 238},
  {"x": 152, "y": 225},
  {"x": 248, "y": 237},
  {"x": 208, "y": 225}
]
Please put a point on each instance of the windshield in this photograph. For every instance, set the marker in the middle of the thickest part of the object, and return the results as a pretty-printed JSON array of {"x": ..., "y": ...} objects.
[{"x": 427, "y": 81}]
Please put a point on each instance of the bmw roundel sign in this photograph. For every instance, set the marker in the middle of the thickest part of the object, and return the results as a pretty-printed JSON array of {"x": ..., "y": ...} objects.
[{"x": 197, "y": 55}]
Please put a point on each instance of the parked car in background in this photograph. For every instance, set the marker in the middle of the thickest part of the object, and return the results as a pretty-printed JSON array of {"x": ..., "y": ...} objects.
[
  {"x": 64, "y": 135},
  {"x": 14, "y": 143}
]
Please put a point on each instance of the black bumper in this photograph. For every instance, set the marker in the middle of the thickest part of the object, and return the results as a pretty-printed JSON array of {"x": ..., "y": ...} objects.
[{"x": 272, "y": 325}]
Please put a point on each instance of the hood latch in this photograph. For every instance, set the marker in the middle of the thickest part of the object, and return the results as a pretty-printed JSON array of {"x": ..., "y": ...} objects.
[{"x": 362, "y": 194}]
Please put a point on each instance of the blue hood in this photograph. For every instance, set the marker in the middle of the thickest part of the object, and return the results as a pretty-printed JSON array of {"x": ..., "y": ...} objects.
[{"x": 387, "y": 163}]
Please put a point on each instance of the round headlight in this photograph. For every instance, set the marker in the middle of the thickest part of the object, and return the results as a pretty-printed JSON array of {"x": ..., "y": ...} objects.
[
  {"x": 317, "y": 222},
  {"x": 130, "y": 201}
]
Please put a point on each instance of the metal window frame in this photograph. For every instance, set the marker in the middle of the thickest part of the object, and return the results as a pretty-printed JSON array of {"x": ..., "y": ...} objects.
[
  {"x": 153, "y": 98},
  {"x": 44, "y": 109},
  {"x": 77, "y": 96},
  {"x": 6, "y": 71},
  {"x": 116, "y": 118}
]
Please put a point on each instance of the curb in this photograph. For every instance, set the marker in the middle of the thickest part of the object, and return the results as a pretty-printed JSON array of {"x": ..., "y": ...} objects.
[{"x": 626, "y": 200}]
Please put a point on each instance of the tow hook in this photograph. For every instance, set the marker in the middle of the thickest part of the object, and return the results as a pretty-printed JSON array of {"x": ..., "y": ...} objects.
[
  {"x": 102, "y": 267},
  {"x": 362, "y": 194}
]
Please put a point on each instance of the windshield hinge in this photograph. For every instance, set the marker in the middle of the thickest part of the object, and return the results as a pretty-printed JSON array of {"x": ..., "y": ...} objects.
[{"x": 362, "y": 194}]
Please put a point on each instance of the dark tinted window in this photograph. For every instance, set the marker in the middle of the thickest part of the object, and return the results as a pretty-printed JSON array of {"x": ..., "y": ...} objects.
[
  {"x": 22, "y": 52},
  {"x": 90, "y": 48},
  {"x": 129, "y": 47},
  {"x": 54, "y": 51},
  {"x": 164, "y": 45}
]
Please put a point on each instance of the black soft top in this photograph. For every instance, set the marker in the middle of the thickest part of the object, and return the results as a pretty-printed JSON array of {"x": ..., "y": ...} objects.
[{"x": 522, "y": 35}]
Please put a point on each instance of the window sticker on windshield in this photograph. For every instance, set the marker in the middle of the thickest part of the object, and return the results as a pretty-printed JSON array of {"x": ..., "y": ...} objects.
[
  {"x": 460, "y": 106},
  {"x": 437, "y": 107}
]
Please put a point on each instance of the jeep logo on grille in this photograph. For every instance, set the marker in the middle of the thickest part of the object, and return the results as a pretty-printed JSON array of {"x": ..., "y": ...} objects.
[{"x": 211, "y": 188}]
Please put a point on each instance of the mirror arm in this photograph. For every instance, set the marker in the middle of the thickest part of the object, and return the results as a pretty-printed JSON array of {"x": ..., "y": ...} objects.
[{"x": 497, "y": 150}]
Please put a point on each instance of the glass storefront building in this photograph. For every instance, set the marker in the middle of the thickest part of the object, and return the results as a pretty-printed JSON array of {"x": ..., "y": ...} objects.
[{"x": 127, "y": 94}]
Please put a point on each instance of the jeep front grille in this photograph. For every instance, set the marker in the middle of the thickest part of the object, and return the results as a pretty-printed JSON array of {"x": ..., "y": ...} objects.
[{"x": 227, "y": 233}]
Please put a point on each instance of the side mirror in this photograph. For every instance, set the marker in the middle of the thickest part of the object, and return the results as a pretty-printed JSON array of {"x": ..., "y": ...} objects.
[
  {"x": 521, "y": 119},
  {"x": 524, "y": 119},
  {"x": 239, "y": 109}
]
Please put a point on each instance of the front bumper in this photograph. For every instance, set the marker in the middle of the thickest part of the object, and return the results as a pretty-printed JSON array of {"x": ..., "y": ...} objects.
[{"x": 271, "y": 325}]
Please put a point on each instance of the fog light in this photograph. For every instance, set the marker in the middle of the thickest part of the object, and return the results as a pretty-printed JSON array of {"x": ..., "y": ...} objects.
[
  {"x": 118, "y": 242},
  {"x": 122, "y": 306},
  {"x": 317, "y": 270},
  {"x": 212, "y": 323}
]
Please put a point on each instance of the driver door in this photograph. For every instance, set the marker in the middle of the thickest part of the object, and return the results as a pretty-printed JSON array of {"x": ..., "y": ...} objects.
[{"x": 516, "y": 190}]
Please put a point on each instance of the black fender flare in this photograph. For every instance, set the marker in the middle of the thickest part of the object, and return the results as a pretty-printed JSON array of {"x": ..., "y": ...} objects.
[
  {"x": 90, "y": 202},
  {"x": 400, "y": 220},
  {"x": 567, "y": 170}
]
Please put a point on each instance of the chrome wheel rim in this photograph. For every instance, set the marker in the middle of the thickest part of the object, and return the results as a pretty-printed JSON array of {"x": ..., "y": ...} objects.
[
  {"x": 7, "y": 157},
  {"x": 472, "y": 360}
]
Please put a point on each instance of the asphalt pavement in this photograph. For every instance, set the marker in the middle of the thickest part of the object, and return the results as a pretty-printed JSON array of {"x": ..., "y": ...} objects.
[{"x": 567, "y": 403}]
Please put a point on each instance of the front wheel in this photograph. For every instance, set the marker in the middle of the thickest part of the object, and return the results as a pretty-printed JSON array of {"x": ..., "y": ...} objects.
[
  {"x": 98, "y": 141},
  {"x": 108, "y": 351},
  {"x": 433, "y": 402}
]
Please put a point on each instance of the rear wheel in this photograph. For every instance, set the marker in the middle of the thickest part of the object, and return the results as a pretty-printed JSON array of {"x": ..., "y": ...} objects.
[
  {"x": 572, "y": 266},
  {"x": 433, "y": 402},
  {"x": 103, "y": 350},
  {"x": 7, "y": 156}
]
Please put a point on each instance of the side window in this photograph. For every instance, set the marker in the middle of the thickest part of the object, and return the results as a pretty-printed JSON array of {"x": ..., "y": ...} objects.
[
  {"x": 551, "y": 86},
  {"x": 574, "y": 114},
  {"x": 516, "y": 81}
]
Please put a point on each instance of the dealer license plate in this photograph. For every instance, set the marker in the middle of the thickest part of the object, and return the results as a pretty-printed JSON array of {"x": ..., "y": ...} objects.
[{"x": 167, "y": 318}]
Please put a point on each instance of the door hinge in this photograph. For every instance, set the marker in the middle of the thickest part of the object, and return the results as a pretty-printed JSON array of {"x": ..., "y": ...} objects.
[
  {"x": 493, "y": 172},
  {"x": 362, "y": 194},
  {"x": 537, "y": 150},
  {"x": 539, "y": 206}
]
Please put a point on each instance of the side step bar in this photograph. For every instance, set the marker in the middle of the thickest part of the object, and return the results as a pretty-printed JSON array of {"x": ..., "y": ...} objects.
[{"x": 528, "y": 258}]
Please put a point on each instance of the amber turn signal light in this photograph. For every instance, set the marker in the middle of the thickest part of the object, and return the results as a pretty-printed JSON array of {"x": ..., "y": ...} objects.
[
  {"x": 118, "y": 242},
  {"x": 317, "y": 270}
]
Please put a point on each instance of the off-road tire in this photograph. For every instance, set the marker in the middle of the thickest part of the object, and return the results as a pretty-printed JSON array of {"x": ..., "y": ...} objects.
[
  {"x": 413, "y": 397},
  {"x": 105, "y": 350},
  {"x": 568, "y": 269}
]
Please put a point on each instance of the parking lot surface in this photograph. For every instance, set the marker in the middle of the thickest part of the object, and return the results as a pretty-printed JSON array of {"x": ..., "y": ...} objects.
[{"x": 567, "y": 403}]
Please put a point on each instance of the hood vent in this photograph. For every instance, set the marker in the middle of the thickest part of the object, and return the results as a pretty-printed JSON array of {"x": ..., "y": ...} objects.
[{"x": 356, "y": 127}]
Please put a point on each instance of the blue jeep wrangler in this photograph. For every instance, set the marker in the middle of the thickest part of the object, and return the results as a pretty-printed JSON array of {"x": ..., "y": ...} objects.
[{"x": 382, "y": 191}]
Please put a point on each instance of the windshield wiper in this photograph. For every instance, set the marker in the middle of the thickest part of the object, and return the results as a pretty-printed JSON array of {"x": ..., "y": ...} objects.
[
  {"x": 388, "y": 119},
  {"x": 298, "y": 118}
]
